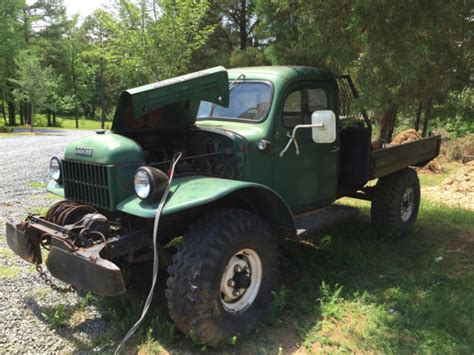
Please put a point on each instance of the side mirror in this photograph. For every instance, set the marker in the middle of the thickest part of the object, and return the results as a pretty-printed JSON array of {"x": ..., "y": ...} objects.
[{"x": 324, "y": 126}]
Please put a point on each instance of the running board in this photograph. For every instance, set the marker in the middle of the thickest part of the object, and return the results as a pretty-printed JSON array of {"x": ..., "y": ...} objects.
[{"x": 322, "y": 218}]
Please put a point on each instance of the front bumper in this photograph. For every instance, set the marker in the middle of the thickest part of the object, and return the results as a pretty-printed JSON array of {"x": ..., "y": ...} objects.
[{"x": 83, "y": 268}]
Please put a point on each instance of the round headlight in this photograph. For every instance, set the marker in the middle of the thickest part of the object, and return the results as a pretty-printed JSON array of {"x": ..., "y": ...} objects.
[
  {"x": 55, "y": 169},
  {"x": 142, "y": 184},
  {"x": 149, "y": 183}
]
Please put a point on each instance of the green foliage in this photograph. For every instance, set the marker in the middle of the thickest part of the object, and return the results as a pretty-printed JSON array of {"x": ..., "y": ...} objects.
[
  {"x": 280, "y": 298},
  {"x": 4, "y": 128},
  {"x": 308, "y": 33},
  {"x": 248, "y": 57},
  {"x": 58, "y": 316},
  {"x": 330, "y": 300},
  {"x": 8, "y": 272},
  {"x": 399, "y": 58},
  {"x": 31, "y": 78},
  {"x": 11, "y": 43}
]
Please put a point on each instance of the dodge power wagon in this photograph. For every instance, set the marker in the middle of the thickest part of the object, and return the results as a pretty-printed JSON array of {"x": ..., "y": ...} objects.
[{"x": 223, "y": 163}]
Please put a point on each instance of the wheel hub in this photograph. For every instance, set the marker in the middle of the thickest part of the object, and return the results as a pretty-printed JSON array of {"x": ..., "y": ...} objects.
[
  {"x": 408, "y": 204},
  {"x": 241, "y": 280}
]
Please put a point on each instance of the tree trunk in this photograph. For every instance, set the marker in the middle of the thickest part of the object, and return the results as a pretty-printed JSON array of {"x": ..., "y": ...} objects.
[
  {"x": 429, "y": 106},
  {"x": 22, "y": 120},
  {"x": 24, "y": 116},
  {"x": 243, "y": 24},
  {"x": 49, "y": 119},
  {"x": 54, "y": 119},
  {"x": 30, "y": 113},
  {"x": 419, "y": 110},
  {"x": 4, "y": 113},
  {"x": 388, "y": 124},
  {"x": 74, "y": 89},
  {"x": 102, "y": 93},
  {"x": 32, "y": 121},
  {"x": 11, "y": 113}
]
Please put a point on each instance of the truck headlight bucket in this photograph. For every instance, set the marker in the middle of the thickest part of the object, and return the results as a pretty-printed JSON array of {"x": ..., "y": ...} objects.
[
  {"x": 55, "y": 169},
  {"x": 150, "y": 183}
]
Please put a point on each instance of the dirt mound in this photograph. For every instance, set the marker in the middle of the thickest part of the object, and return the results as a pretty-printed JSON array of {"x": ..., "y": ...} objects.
[
  {"x": 461, "y": 149},
  {"x": 436, "y": 166},
  {"x": 409, "y": 135},
  {"x": 457, "y": 189},
  {"x": 462, "y": 180}
]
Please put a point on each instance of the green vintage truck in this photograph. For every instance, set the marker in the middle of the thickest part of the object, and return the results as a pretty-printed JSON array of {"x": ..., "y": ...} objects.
[{"x": 223, "y": 164}]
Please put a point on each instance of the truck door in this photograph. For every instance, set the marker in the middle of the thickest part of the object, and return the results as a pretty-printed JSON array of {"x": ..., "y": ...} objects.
[{"x": 307, "y": 180}]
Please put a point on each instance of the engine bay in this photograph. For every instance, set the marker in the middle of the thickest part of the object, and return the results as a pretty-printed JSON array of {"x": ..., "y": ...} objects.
[{"x": 204, "y": 152}]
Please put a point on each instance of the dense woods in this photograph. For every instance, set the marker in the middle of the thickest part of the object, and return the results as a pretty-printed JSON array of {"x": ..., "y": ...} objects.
[{"x": 411, "y": 59}]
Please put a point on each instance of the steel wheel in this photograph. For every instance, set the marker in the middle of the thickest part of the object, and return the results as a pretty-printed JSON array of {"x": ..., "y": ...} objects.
[
  {"x": 241, "y": 280},
  {"x": 408, "y": 204}
]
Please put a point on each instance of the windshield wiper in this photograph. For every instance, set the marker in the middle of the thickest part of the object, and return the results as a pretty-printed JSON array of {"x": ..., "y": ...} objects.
[{"x": 233, "y": 83}]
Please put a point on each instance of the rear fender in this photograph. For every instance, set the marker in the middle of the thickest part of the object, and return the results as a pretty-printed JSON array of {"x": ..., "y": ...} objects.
[{"x": 195, "y": 194}]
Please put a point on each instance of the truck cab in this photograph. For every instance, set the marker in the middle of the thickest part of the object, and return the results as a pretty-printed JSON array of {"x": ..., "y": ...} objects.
[
  {"x": 223, "y": 163},
  {"x": 266, "y": 103}
]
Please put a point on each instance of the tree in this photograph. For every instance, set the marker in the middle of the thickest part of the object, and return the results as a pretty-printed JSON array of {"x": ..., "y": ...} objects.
[
  {"x": 31, "y": 82},
  {"x": 315, "y": 33},
  {"x": 405, "y": 55},
  {"x": 10, "y": 44}
]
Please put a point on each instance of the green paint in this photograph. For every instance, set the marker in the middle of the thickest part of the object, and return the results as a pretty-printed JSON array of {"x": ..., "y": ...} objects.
[
  {"x": 304, "y": 181},
  {"x": 178, "y": 98},
  {"x": 187, "y": 192},
  {"x": 107, "y": 149},
  {"x": 55, "y": 188}
]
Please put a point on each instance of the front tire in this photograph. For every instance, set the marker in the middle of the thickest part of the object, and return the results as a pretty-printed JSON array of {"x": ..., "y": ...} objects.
[
  {"x": 221, "y": 279},
  {"x": 396, "y": 202}
]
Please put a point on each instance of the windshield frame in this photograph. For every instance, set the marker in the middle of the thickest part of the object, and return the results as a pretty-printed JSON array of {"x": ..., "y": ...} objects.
[{"x": 247, "y": 120}]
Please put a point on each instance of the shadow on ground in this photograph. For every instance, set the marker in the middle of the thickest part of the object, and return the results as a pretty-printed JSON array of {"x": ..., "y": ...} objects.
[{"x": 347, "y": 289}]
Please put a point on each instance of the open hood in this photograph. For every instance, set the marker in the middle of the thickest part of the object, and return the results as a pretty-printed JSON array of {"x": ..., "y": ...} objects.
[{"x": 171, "y": 103}]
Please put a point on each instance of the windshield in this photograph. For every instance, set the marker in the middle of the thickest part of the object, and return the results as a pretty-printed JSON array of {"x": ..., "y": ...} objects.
[{"x": 248, "y": 101}]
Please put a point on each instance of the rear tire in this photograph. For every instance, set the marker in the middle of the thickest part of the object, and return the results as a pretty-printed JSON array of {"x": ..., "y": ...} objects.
[
  {"x": 221, "y": 279},
  {"x": 396, "y": 201}
]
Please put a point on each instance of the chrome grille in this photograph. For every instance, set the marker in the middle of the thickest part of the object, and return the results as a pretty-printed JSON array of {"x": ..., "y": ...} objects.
[{"x": 87, "y": 183}]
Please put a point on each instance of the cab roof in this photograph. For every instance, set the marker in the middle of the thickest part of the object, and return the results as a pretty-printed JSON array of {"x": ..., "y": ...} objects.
[{"x": 286, "y": 72}]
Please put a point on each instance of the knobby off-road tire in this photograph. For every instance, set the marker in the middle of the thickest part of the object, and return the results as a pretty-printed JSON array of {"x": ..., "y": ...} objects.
[
  {"x": 201, "y": 301},
  {"x": 396, "y": 202}
]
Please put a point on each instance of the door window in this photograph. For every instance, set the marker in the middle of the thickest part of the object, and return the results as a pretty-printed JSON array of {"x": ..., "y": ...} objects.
[
  {"x": 300, "y": 104},
  {"x": 317, "y": 100},
  {"x": 292, "y": 109}
]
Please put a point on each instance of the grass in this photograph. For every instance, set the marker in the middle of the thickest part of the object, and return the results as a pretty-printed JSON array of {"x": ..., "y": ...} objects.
[
  {"x": 430, "y": 180},
  {"x": 38, "y": 184},
  {"x": 63, "y": 122},
  {"x": 9, "y": 272},
  {"x": 348, "y": 289},
  {"x": 6, "y": 253}
]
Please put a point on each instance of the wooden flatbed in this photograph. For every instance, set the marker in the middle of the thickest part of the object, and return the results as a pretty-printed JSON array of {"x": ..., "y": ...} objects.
[{"x": 386, "y": 161}]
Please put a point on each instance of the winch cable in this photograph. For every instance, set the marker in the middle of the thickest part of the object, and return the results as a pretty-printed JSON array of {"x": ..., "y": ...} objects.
[{"x": 132, "y": 330}]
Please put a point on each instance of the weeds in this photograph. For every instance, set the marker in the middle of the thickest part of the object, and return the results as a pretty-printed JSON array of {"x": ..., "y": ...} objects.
[
  {"x": 9, "y": 272},
  {"x": 349, "y": 289},
  {"x": 38, "y": 185},
  {"x": 58, "y": 316},
  {"x": 278, "y": 305}
]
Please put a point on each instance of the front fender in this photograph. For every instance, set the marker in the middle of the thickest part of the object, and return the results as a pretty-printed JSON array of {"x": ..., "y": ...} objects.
[{"x": 195, "y": 191}]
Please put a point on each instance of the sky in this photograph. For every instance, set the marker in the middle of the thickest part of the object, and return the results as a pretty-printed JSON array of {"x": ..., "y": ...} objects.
[{"x": 83, "y": 7}]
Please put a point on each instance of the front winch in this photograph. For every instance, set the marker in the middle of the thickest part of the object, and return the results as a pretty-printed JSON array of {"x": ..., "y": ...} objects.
[{"x": 79, "y": 243}]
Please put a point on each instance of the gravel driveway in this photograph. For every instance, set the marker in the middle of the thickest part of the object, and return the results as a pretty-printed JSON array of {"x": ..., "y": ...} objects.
[{"x": 27, "y": 304}]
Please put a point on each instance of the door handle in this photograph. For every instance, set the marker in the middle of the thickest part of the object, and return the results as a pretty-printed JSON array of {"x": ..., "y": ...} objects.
[{"x": 334, "y": 150}]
